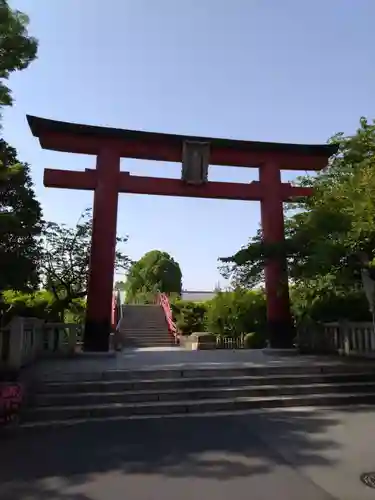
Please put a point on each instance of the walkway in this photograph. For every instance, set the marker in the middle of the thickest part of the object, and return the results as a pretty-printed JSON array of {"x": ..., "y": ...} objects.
[
  {"x": 168, "y": 358},
  {"x": 309, "y": 455}
]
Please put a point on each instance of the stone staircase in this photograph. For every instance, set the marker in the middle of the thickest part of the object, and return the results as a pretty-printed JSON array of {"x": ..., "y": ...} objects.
[
  {"x": 162, "y": 392},
  {"x": 144, "y": 326}
]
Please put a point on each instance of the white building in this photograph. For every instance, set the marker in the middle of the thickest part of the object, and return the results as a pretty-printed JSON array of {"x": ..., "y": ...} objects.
[{"x": 196, "y": 296}]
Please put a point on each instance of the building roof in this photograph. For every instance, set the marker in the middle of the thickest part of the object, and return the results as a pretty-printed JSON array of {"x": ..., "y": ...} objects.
[{"x": 195, "y": 295}]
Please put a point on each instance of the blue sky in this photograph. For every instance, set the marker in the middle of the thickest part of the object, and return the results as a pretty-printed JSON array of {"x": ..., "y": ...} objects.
[{"x": 267, "y": 70}]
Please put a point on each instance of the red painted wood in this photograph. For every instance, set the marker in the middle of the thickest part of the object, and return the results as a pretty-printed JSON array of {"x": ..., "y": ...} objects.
[
  {"x": 164, "y": 151},
  {"x": 86, "y": 180},
  {"x": 103, "y": 247},
  {"x": 176, "y": 187},
  {"x": 70, "y": 179},
  {"x": 272, "y": 217},
  {"x": 107, "y": 182}
]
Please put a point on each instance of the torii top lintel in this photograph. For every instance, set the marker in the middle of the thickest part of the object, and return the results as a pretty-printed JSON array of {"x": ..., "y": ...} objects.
[{"x": 88, "y": 139}]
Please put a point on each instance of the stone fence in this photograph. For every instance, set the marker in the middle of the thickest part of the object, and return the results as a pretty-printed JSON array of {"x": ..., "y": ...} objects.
[
  {"x": 344, "y": 338},
  {"x": 24, "y": 340}
]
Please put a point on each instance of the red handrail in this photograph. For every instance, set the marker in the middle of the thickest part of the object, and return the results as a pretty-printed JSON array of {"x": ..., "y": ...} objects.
[{"x": 163, "y": 300}]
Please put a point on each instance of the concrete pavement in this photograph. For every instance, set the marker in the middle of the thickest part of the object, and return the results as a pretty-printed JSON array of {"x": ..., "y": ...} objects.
[
  {"x": 175, "y": 359},
  {"x": 301, "y": 454},
  {"x": 330, "y": 447}
]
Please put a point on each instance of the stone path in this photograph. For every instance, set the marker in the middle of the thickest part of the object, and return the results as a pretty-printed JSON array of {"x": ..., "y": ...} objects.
[{"x": 300, "y": 454}]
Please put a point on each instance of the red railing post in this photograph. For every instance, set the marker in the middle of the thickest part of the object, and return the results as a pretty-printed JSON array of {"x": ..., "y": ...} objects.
[{"x": 163, "y": 301}]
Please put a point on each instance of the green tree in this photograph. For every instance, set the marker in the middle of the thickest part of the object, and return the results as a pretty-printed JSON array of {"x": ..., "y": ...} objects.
[
  {"x": 326, "y": 232},
  {"x": 17, "y": 48},
  {"x": 155, "y": 271},
  {"x": 64, "y": 260},
  {"x": 20, "y": 223}
]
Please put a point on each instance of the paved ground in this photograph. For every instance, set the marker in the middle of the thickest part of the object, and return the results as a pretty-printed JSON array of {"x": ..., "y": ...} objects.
[
  {"x": 172, "y": 358},
  {"x": 296, "y": 455}
]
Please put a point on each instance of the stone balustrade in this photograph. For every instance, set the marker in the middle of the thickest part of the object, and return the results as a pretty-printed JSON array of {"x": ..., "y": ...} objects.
[
  {"x": 345, "y": 338},
  {"x": 24, "y": 340}
]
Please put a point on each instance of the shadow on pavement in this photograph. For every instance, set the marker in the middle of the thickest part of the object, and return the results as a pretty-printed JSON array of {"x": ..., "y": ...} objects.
[{"x": 218, "y": 447}]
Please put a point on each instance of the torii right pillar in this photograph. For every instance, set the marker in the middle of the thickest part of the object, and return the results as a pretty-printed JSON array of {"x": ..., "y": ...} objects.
[{"x": 279, "y": 321}]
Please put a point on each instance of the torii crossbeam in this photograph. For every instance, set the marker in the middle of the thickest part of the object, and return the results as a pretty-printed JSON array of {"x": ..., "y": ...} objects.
[{"x": 109, "y": 145}]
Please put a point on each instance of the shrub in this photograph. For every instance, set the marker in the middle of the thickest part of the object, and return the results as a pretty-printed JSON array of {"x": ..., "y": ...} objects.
[
  {"x": 232, "y": 313},
  {"x": 254, "y": 340},
  {"x": 189, "y": 316}
]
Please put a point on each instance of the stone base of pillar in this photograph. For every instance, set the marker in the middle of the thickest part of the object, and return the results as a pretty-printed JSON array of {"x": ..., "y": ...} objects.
[
  {"x": 281, "y": 334},
  {"x": 96, "y": 336}
]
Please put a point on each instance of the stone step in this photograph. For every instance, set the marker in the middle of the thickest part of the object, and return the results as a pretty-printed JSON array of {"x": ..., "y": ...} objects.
[
  {"x": 145, "y": 334},
  {"x": 146, "y": 331},
  {"x": 80, "y": 399},
  {"x": 142, "y": 326},
  {"x": 145, "y": 343},
  {"x": 155, "y": 340},
  {"x": 143, "y": 330},
  {"x": 223, "y": 372},
  {"x": 149, "y": 315},
  {"x": 53, "y": 413},
  {"x": 147, "y": 312},
  {"x": 145, "y": 337},
  {"x": 165, "y": 384}
]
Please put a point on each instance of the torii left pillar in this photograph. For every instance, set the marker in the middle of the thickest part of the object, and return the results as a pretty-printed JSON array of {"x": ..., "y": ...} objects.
[{"x": 103, "y": 249}]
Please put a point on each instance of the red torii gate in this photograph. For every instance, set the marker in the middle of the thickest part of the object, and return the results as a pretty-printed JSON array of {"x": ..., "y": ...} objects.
[{"x": 109, "y": 145}]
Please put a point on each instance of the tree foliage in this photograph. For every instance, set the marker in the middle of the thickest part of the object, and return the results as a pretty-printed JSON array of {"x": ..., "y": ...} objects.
[
  {"x": 329, "y": 304},
  {"x": 17, "y": 48},
  {"x": 20, "y": 223},
  {"x": 38, "y": 304},
  {"x": 65, "y": 256},
  {"x": 325, "y": 232},
  {"x": 155, "y": 272}
]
